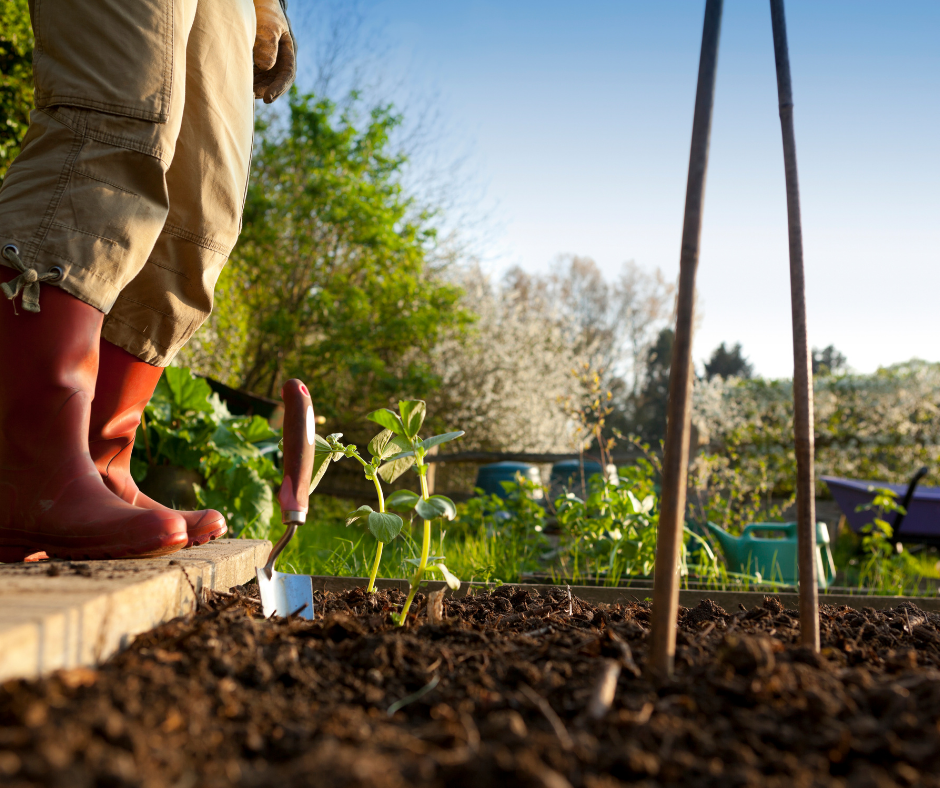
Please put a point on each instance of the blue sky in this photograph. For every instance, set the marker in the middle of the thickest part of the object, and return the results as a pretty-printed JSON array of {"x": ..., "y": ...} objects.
[{"x": 578, "y": 116}]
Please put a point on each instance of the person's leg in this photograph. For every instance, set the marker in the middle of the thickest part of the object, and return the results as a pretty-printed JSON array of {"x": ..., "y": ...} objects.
[
  {"x": 124, "y": 386},
  {"x": 81, "y": 209},
  {"x": 52, "y": 498},
  {"x": 86, "y": 199},
  {"x": 157, "y": 313}
]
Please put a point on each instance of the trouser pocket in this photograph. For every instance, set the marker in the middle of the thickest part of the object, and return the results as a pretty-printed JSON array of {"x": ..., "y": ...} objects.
[{"x": 110, "y": 55}]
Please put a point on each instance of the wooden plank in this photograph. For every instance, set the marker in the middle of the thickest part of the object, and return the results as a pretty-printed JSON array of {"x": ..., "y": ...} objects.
[
  {"x": 66, "y": 614},
  {"x": 602, "y": 595}
]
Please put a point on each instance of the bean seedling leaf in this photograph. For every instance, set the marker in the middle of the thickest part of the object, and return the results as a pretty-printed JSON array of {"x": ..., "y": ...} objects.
[
  {"x": 402, "y": 500},
  {"x": 412, "y": 415},
  {"x": 384, "y": 526},
  {"x": 361, "y": 513},
  {"x": 397, "y": 464},
  {"x": 380, "y": 446},
  {"x": 321, "y": 460},
  {"x": 450, "y": 508},
  {"x": 386, "y": 418},
  {"x": 436, "y": 440},
  {"x": 431, "y": 509}
]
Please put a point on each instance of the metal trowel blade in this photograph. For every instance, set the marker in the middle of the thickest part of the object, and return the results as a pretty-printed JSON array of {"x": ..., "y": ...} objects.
[{"x": 286, "y": 594}]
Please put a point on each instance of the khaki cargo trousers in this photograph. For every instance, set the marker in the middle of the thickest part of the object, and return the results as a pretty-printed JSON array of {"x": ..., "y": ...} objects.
[{"x": 129, "y": 189}]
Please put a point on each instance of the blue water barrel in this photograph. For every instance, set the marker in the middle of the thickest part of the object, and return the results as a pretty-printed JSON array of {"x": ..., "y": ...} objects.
[
  {"x": 566, "y": 475},
  {"x": 490, "y": 476}
]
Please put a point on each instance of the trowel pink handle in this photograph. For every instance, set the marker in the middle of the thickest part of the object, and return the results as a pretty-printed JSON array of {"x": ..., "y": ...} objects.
[{"x": 299, "y": 431}]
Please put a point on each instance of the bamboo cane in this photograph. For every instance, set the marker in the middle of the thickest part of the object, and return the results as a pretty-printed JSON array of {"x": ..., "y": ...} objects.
[
  {"x": 676, "y": 454},
  {"x": 802, "y": 369}
]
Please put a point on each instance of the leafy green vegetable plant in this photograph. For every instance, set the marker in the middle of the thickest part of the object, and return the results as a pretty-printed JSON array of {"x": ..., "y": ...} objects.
[
  {"x": 611, "y": 533},
  {"x": 501, "y": 537},
  {"x": 883, "y": 566},
  {"x": 612, "y": 530},
  {"x": 186, "y": 426},
  {"x": 404, "y": 425}
]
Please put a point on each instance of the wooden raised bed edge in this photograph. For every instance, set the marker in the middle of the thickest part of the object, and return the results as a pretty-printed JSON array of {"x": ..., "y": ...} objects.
[{"x": 599, "y": 595}]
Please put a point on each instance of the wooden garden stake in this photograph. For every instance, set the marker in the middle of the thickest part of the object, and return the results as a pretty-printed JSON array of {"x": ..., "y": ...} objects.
[
  {"x": 802, "y": 368},
  {"x": 676, "y": 454}
]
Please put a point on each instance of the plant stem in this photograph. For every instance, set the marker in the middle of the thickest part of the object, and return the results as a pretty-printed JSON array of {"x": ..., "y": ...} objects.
[
  {"x": 370, "y": 589},
  {"x": 375, "y": 569},
  {"x": 425, "y": 550}
]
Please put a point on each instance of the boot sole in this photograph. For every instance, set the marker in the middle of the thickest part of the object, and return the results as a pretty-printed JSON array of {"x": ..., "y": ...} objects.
[
  {"x": 202, "y": 539},
  {"x": 20, "y": 553},
  {"x": 96, "y": 555}
]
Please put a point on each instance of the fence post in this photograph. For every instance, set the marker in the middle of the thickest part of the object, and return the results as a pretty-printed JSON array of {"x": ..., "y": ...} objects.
[
  {"x": 676, "y": 454},
  {"x": 802, "y": 364}
]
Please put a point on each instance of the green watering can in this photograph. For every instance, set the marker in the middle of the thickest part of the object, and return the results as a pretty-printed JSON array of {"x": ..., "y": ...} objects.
[{"x": 774, "y": 556}]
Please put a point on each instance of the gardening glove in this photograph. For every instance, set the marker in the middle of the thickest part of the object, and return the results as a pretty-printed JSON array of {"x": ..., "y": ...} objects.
[{"x": 274, "y": 54}]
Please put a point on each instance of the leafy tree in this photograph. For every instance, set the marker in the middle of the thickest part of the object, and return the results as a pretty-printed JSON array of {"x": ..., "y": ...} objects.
[
  {"x": 609, "y": 324},
  {"x": 654, "y": 399},
  {"x": 334, "y": 278},
  {"x": 873, "y": 426},
  {"x": 16, "y": 78},
  {"x": 728, "y": 363},
  {"x": 506, "y": 379},
  {"x": 828, "y": 361}
]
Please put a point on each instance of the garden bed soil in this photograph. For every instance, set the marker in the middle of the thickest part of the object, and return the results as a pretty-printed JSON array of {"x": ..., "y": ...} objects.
[{"x": 510, "y": 689}]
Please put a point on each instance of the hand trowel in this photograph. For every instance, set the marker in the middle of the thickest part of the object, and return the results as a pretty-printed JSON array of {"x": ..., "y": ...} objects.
[{"x": 283, "y": 594}]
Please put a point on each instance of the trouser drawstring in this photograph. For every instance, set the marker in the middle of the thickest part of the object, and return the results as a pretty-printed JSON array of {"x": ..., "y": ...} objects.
[{"x": 28, "y": 280}]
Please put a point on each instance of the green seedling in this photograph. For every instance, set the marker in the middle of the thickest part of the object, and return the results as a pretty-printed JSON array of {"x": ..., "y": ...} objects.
[
  {"x": 384, "y": 526},
  {"x": 405, "y": 425}
]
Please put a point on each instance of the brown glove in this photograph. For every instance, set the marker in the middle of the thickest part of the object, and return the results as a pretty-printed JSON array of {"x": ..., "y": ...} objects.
[{"x": 274, "y": 54}]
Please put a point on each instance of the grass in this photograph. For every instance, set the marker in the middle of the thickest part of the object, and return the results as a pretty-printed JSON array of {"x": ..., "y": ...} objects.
[
  {"x": 474, "y": 552},
  {"x": 909, "y": 572},
  {"x": 477, "y": 548}
]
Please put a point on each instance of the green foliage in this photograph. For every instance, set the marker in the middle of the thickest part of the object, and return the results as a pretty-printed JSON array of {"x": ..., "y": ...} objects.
[
  {"x": 733, "y": 487},
  {"x": 403, "y": 499},
  {"x": 412, "y": 416},
  {"x": 728, "y": 363},
  {"x": 362, "y": 513},
  {"x": 828, "y": 361},
  {"x": 187, "y": 426},
  {"x": 612, "y": 532},
  {"x": 386, "y": 418},
  {"x": 405, "y": 424},
  {"x": 402, "y": 446},
  {"x": 335, "y": 268},
  {"x": 883, "y": 566},
  {"x": 501, "y": 539},
  {"x": 651, "y": 404},
  {"x": 880, "y": 426},
  {"x": 384, "y": 526},
  {"x": 16, "y": 79}
]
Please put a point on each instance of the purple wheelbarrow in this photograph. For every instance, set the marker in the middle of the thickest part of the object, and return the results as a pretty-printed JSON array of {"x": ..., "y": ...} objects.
[{"x": 920, "y": 525}]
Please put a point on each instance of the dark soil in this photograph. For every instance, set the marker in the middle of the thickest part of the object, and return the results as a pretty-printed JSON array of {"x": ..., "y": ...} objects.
[{"x": 501, "y": 693}]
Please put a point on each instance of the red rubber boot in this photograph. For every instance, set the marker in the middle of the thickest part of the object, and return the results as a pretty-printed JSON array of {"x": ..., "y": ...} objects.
[
  {"x": 124, "y": 387},
  {"x": 52, "y": 498}
]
